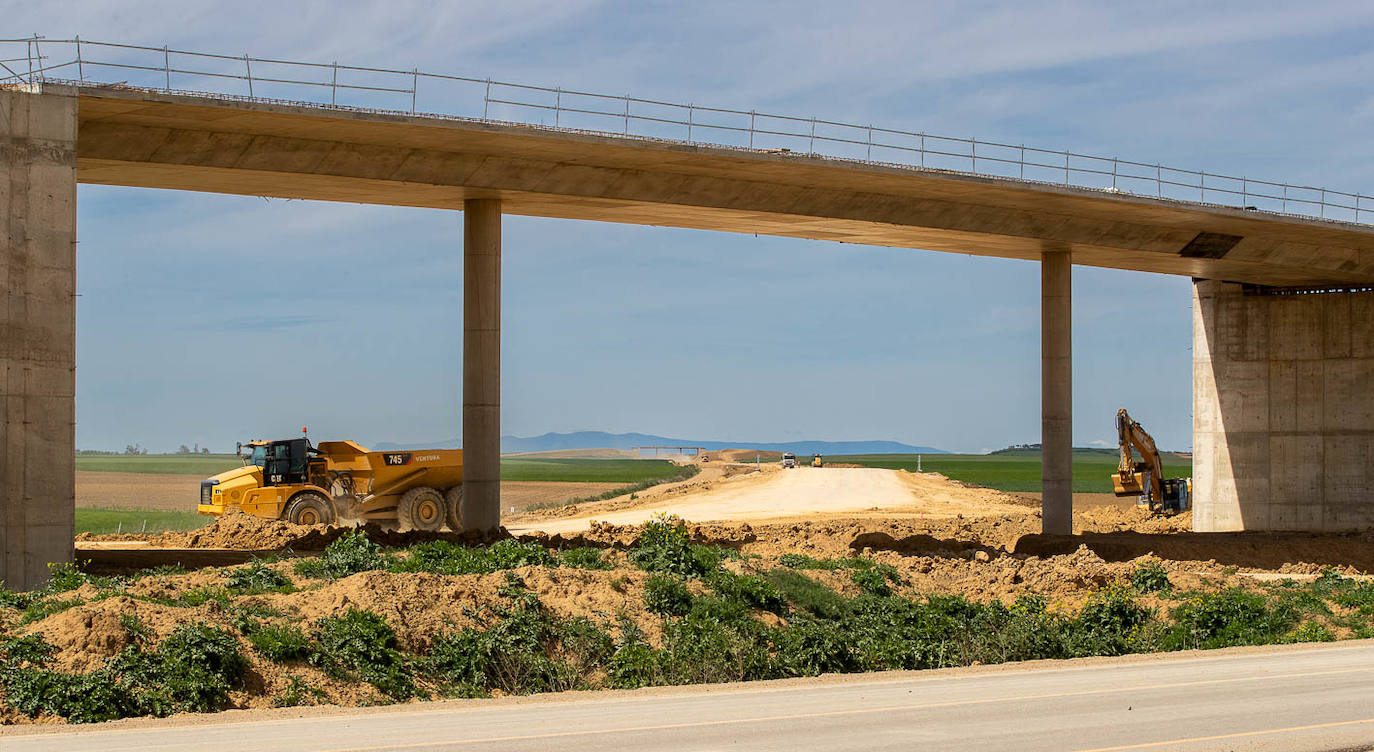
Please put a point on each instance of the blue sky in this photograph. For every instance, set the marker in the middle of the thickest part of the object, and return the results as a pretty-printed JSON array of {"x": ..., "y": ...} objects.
[{"x": 209, "y": 318}]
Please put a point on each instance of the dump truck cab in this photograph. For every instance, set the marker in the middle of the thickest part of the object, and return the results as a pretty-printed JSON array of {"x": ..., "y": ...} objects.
[
  {"x": 789, "y": 460},
  {"x": 273, "y": 475}
]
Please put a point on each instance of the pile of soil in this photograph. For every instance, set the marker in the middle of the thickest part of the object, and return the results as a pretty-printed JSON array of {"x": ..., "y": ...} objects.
[{"x": 236, "y": 530}]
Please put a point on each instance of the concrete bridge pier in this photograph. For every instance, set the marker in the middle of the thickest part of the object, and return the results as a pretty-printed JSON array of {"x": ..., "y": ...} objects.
[
  {"x": 1283, "y": 409},
  {"x": 481, "y": 510},
  {"x": 1056, "y": 391},
  {"x": 37, "y": 334}
]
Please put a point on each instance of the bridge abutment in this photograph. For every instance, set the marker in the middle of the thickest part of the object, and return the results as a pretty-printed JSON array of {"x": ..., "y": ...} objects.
[
  {"x": 1283, "y": 410},
  {"x": 37, "y": 334},
  {"x": 481, "y": 510}
]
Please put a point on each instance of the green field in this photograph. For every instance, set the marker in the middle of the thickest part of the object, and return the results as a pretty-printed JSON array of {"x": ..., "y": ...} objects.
[
  {"x": 203, "y": 465},
  {"x": 523, "y": 468},
  {"x": 587, "y": 471},
  {"x": 102, "y": 521},
  {"x": 1017, "y": 470}
]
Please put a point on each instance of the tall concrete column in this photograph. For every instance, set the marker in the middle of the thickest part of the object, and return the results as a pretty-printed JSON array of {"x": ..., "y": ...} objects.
[
  {"x": 481, "y": 364},
  {"x": 37, "y": 334},
  {"x": 1056, "y": 391}
]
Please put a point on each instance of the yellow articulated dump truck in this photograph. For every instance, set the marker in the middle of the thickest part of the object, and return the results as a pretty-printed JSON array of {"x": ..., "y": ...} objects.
[{"x": 339, "y": 480}]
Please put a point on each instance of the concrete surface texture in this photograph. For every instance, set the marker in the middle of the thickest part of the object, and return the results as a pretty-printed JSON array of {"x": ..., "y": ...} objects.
[
  {"x": 150, "y": 139},
  {"x": 481, "y": 506},
  {"x": 1056, "y": 390},
  {"x": 37, "y": 333},
  {"x": 1283, "y": 410},
  {"x": 1294, "y": 699}
]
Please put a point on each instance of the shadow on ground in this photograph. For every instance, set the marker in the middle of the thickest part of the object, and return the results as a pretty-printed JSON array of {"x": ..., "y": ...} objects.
[{"x": 1257, "y": 550}]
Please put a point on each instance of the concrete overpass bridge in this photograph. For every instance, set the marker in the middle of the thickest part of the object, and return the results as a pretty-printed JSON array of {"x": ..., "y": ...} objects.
[{"x": 1283, "y": 301}]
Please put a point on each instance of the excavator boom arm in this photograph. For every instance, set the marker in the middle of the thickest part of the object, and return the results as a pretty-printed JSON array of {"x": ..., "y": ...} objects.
[{"x": 1133, "y": 436}]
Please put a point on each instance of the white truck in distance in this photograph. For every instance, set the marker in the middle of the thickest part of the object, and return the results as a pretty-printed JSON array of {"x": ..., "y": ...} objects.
[{"x": 789, "y": 460}]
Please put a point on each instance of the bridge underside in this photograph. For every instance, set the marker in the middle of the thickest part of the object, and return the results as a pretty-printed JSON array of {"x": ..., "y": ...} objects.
[{"x": 51, "y": 140}]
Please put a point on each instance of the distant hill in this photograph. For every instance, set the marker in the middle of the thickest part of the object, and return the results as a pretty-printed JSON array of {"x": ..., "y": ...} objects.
[{"x": 602, "y": 440}]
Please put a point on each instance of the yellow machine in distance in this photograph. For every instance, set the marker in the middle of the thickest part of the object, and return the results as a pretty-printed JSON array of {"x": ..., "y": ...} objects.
[
  {"x": 816, "y": 460},
  {"x": 318, "y": 485},
  {"x": 1144, "y": 478}
]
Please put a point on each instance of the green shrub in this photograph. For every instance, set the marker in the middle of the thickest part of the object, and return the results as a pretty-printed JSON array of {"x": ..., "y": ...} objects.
[
  {"x": 349, "y": 554},
  {"x": 665, "y": 546},
  {"x": 1150, "y": 577},
  {"x": 1109, "y": 623},
  {"x": 281, "y": 642},
  {"x": 257, "y": 578},
  {"x": 520, "y": 653},
  {"x": 197, "y": 596},
  {"x": 1230, "y": 617},
  {"x": 806, "y": 594},
  {"x": 751, "y": 590},
  {"x": 811, "y": 646},
  {"x": 362, "y": 642},
  {"x": 714, "y": 643},
  {"x": 666, "y": 596},
  {"x": 1309, "y": 631},
  {"x": 583, "y": 557},
  {"x": 191, "y": 671},
  {"x": 138, "y": 632},
  {"x": 31, "y": 650},
  {"x": 634, "y": 662},
  {"x": 63, "y": 577},
  {"x": 801, "y": 561},
  {"x": 872, "y": 582},
  {"x": 11, "y": 599},
  {"x": 444, "y": 557}
]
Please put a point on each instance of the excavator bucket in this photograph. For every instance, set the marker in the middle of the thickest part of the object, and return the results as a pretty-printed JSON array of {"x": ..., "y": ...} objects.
[{"x": 1128, "y": 484}]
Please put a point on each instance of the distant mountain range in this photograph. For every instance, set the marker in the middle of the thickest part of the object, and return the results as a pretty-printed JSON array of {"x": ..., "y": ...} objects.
[{"x": 601, "y": 440}]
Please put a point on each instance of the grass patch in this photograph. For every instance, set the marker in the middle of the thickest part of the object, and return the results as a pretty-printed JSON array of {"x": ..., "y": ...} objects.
[
  {"x": 587, "y": 471},
  {"x": 203, "y": 465},
  {"x": 108, "y": 521},
  {"x": 1017, "y": 470},
  {"x": 688, "y": 472}
]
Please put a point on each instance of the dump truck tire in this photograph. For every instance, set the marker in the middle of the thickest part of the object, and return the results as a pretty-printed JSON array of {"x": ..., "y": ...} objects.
[
  {"x": 421, "y": 508},
  {"x": 454, "y": 500},
  {"x": 310, "y": 508}
]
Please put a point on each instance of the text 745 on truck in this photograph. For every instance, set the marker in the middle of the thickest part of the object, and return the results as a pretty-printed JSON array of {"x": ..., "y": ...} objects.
[{"x": 317, "y": 485}]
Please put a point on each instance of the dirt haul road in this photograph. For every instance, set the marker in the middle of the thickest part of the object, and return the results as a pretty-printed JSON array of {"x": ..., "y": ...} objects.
[{"x": 809, "y": 493}]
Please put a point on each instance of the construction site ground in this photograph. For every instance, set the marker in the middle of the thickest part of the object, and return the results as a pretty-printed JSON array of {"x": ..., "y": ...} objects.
[
  {"x": 107, "y": 490},
  {"x": 939, "y": 536}
]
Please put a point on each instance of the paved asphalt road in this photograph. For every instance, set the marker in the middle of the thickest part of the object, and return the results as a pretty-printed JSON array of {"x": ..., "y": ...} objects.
[{"x": 1304, "y": 698}]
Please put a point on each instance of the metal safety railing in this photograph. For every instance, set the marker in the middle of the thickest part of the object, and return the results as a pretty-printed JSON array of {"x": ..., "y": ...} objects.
[{"x": 33, "y": 60}]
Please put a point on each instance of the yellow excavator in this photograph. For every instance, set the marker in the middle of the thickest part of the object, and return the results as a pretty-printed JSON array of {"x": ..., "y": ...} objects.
[{"x": 1144, "y": 478}]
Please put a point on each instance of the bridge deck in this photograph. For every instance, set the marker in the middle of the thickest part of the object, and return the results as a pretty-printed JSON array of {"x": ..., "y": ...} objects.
[{"x": 201, "y": 143}]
